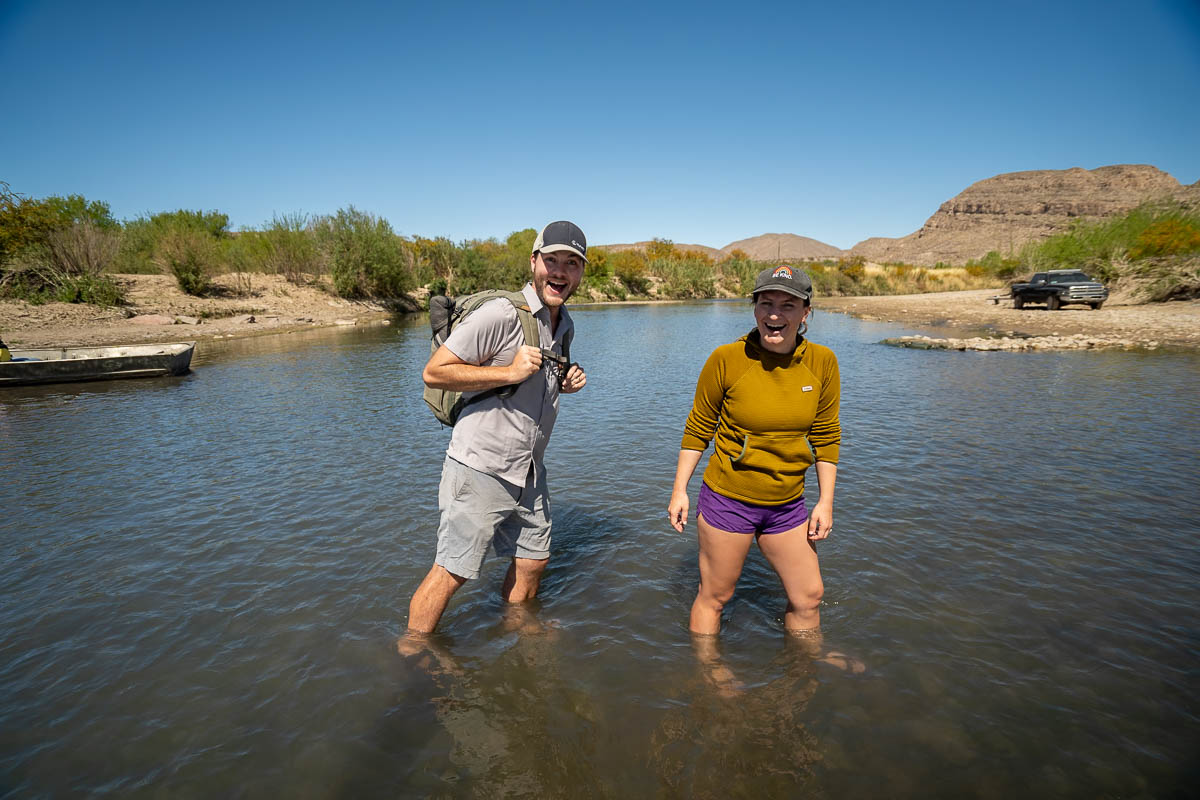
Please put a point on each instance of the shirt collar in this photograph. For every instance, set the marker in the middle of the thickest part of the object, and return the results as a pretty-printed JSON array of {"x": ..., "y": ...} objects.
[{"x": 531, "y": 297}]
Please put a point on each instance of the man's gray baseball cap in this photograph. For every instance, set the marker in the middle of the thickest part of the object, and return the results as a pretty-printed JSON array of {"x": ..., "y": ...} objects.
[
  {"x": 784, "y": 278},
  {"x": 561, "y": 235}
]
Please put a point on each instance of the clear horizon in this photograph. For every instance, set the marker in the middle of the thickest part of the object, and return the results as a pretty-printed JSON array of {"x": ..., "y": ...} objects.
[{"x": 690, "y": 122}]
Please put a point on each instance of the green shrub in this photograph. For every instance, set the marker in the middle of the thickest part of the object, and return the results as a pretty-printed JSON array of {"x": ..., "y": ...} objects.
[
  {"x": 630, "y": 268},
  {"x": 1167, "y": 237},
  {"x": 36, "y": 275},
  {"x": 99, "y": 290},
  {"x": 141, "y": 243},
  {"x": 24, "y": 222},
  {"x": 192, "y": 256},
  {"x": 291, "y": 249},
  {"x": 435, "y": 259},
  {"x": 366, "y": 258},
  {"x": 684, "y": 278}
]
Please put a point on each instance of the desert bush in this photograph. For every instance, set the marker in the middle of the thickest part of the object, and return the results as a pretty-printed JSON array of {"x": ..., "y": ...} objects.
[
  {"x": 1099, "y": 247},
  {"x": 684, "y": 277},
  {"x": 24, "y": 222},
  {"x": 35, "y": 275},
  {"x": 1167, "y": 237},
  {"x": 192, "y": 256},
  {"x": 434, "y": 261},
  {"x": 473, "y": 273},
  {"x": 629, "y": 267},
  {"x": 83, "y": 248},
  {"x": 292, "y": 249},
  {"x": 737, "y": 272},
  {"x": 142, "y": 240},
  {"x": 659, "y": 249},
  {"x": 366, "y": 257},
  {"x": 76, "y": 209},
  {"x": 853, "y": 268}
]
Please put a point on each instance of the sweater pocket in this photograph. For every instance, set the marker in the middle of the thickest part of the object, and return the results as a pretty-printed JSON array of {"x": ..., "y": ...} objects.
[{"x": 785, "y": 455}]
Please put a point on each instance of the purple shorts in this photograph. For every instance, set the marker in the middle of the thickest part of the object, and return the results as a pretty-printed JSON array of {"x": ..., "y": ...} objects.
[{"x": 737, "y": 517}]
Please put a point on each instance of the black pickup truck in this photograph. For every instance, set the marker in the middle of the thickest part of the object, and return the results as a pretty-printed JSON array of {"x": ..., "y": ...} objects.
[{"x": 1059, "y": 287}]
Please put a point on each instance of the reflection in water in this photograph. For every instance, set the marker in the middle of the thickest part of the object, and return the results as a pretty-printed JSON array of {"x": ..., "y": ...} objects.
[
  {"x": 724, "y": 740},
  {"x": 523, "y": 724}
]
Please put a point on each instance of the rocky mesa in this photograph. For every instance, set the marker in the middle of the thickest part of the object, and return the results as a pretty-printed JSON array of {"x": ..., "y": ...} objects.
[{"x": 1004, "y": 212}]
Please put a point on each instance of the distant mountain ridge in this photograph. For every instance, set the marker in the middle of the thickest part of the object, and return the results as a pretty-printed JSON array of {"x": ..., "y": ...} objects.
[
  {"x": 999, "y": 213},
  {"x": 782, "y": 246},
  {"x": 767, "y": 247}
]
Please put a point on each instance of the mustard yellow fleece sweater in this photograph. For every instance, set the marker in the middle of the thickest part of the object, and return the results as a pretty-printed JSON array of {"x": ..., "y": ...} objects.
[{"x": 772, "y": 415}]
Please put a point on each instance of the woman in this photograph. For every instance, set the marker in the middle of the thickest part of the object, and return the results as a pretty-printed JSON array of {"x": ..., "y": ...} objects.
[{"x": 765, "y": 399}]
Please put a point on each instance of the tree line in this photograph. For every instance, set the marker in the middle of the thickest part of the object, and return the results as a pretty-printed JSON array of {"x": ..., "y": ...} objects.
[{"x": 67, "y": 249}]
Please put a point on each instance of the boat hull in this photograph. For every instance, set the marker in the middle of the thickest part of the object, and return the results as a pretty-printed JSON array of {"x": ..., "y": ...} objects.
[{"x": 71, "y": 364}]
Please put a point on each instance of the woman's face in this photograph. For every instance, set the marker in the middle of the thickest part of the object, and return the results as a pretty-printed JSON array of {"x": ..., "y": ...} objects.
[{"x": 779, "y": 316}]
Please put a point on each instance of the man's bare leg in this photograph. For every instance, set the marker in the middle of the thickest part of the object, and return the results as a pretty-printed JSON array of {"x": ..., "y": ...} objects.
[
  {"x": 523, "y": 578},
  {"x": 431, "y": 598}
]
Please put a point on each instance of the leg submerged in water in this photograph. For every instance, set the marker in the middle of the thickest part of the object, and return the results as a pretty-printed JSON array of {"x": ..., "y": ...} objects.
[
  {"x": 522, "y": 580},
  {"x": 431, "y": 598},
  {"x": 716, "y": 671}
]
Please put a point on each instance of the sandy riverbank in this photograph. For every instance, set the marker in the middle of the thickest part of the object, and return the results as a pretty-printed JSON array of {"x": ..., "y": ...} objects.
[
  {"x": 157, "y": 311},
  {"x": 274, "y": 305}
]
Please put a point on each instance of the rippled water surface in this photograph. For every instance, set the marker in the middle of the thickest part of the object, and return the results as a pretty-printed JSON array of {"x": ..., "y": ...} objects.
[{"x": 203, "y": 579}]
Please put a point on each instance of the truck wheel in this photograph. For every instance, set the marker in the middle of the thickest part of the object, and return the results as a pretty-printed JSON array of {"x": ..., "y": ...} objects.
[
  {"x": 1096, "y": 306},
  {"x": 1052, "y": 302},
  {"x": 1018, "y": 302}
]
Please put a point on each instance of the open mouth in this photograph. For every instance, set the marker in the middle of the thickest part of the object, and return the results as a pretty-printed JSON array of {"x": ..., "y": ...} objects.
[
  {"x": 559, "y": 287},
  {"x": 774, "y": 329}
]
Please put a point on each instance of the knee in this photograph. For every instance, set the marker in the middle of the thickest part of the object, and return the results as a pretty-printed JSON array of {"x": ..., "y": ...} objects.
[
  {"x": 714, "y": 597},
  {"x": 808, "y": 597}
]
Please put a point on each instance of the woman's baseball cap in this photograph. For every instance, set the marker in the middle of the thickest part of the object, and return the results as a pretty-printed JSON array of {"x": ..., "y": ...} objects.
[
  {"x": 784, "y": 278},
  {"x": 561, "y": 235}
]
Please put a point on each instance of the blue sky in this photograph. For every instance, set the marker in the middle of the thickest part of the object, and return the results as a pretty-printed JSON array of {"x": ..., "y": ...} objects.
[{"x": 699, "y": 122}]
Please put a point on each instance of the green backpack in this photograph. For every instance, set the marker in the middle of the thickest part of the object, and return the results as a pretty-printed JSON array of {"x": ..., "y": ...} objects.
[{"x": 447, "y": 312}]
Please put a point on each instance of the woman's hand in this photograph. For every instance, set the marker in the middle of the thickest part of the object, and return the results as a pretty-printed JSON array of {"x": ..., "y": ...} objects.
[
  {"x": 677, "y": 511},
  {"x": 820, "y": 522}
]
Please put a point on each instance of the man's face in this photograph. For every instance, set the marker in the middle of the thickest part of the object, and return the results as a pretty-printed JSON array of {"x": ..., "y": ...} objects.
[{"x": 556, "y": 276}]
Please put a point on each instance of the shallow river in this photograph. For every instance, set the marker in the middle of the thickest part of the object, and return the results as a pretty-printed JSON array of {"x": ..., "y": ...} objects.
[{"x": 202, "y": 579}]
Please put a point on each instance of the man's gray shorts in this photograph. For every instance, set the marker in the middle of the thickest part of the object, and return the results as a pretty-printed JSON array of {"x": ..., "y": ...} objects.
[{"x": 480, "y": 509}]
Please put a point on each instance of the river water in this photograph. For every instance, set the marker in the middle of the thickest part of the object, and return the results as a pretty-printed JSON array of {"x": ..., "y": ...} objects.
[{"x": 203, "y": 579}]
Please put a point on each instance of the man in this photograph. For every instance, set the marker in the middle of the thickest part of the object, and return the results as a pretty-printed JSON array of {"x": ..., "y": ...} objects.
[{"x": 493, "y": 487}]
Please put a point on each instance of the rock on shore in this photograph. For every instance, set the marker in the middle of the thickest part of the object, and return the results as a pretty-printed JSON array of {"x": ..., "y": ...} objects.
[{"x": 1076, "y": 342}]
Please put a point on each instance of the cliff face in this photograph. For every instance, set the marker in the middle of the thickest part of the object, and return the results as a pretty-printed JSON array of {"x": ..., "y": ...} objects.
[{"x": 1006, "y": 211}]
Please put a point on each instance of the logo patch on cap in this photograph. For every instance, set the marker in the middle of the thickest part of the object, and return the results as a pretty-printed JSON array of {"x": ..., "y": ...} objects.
[{"x": 782, "y": 272}]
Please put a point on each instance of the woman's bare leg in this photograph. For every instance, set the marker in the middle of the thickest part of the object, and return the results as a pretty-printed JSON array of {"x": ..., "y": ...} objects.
[
  {"x": 794, "y": 558},
  {"x": 722, "y": 555}
]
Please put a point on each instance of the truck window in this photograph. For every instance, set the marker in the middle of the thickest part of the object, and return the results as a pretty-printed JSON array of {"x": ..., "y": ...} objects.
[{"x": 1070, "y": 277}]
